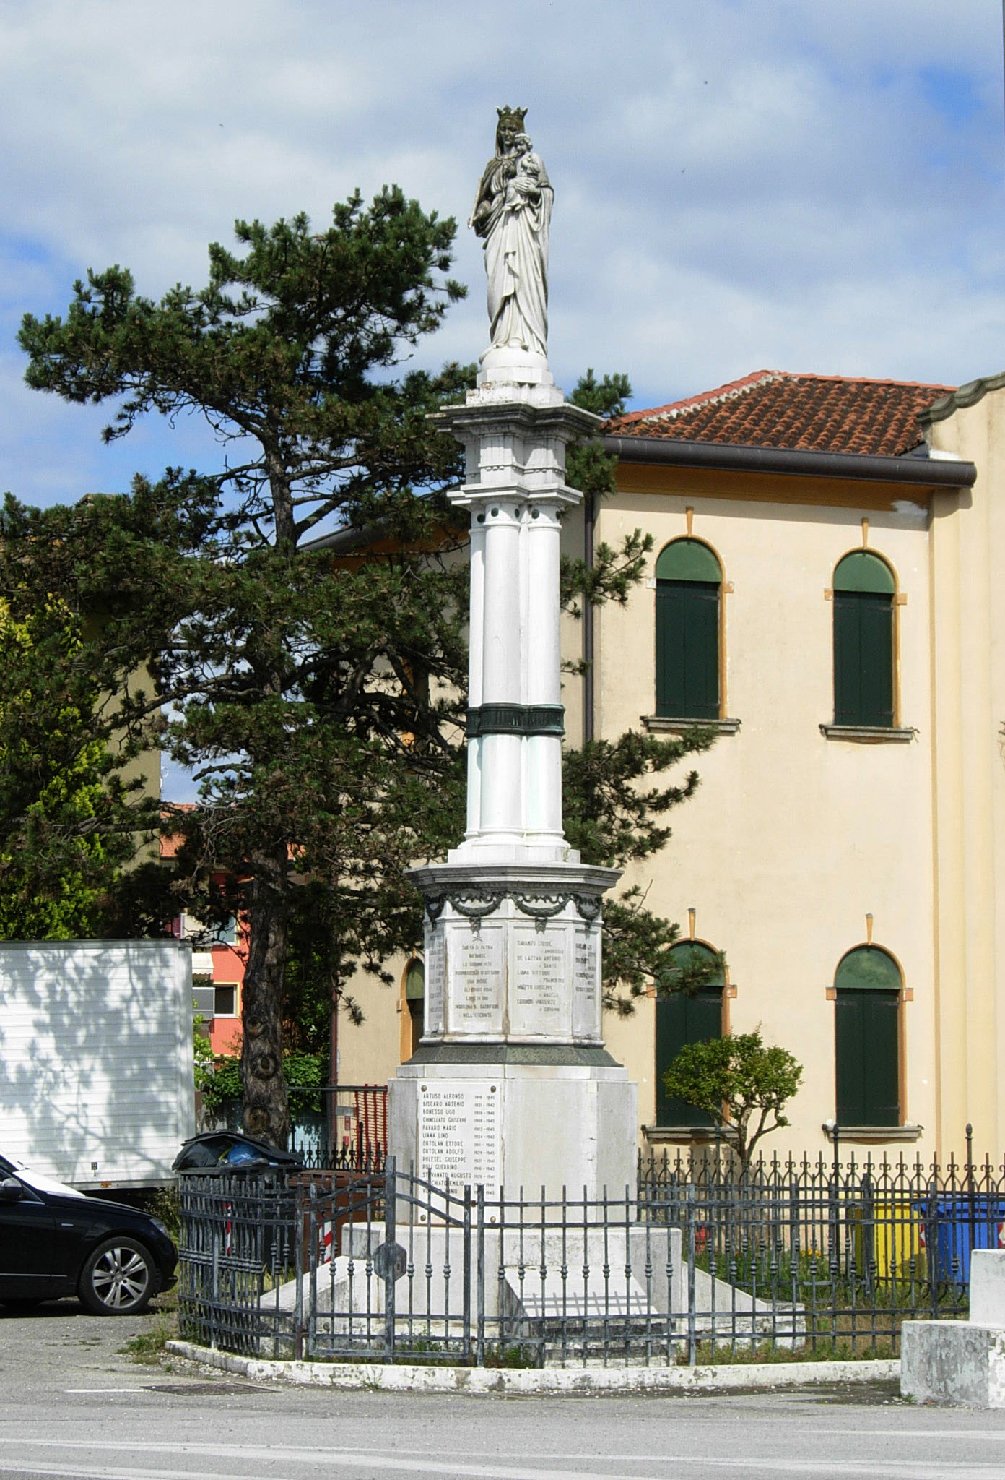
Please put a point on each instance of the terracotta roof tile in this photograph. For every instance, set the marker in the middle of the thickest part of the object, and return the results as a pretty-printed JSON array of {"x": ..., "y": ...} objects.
[
  {"x": 811, "y": 413},
  {"x": 171, "y": 842}
]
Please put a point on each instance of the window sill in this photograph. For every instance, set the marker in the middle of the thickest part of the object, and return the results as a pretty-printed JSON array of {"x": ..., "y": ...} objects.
[
  {"x": 655, "y": 723},
  {"x": 686, "y": 1135},
  {"x": 868, "y": 734},
  {"x": 871, "y": 1135}
]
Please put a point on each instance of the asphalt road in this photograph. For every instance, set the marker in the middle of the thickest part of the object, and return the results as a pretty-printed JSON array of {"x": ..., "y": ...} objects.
[{"x": 73, "y": 1405}]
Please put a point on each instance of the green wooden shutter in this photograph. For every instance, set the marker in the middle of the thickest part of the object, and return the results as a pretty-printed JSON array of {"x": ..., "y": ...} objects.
[
  {"x": 680, "y": 1019},
  {"x": 863, "y": 658},
  {"x": 864, "y": 592},
  {"x": 415, "y": 982},
  {"x": 867, "y": 1057},
  {"x": 687, "y": 649}
]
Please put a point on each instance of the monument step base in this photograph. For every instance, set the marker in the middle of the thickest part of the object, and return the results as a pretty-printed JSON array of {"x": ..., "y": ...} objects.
[
  {"x": 558, "y": 1303},
  {"x": 636, "y": 1287}
]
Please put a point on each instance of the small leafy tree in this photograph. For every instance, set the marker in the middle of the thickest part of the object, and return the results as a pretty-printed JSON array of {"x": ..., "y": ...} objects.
[{"x": 740, "y": 1082}]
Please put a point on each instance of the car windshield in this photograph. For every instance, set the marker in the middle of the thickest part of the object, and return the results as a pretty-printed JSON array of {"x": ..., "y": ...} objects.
[{"x": 40, "y": 1181}]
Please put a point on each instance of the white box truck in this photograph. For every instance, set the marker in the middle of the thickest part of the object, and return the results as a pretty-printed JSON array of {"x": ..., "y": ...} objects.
[{"x": 96, "y": 1083}]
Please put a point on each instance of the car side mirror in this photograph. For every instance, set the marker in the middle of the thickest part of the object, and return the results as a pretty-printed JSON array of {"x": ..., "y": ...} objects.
[{"x": 11, "y": 1190}]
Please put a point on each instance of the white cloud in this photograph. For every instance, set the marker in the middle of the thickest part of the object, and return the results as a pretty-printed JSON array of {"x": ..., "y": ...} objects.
[{"x": 809, "y": 186}]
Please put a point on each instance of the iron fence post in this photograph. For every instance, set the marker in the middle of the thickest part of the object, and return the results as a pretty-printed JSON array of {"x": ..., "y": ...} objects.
[
  {"x": 795, "y": 1247},
  {"x": 869, "y": 1270},
  {"x": 692, "y": 1322},
  {"x": 971, "y": 1197},
  {"x": 480, "y": 1273},
  {"x": 214, "y": 1287},
  {"x": 305, "y": 1239},
  {"x": 931, "y": 1245},
  {"x": 466, "y": 1334},
  {"x": 390, "y": 1238}
]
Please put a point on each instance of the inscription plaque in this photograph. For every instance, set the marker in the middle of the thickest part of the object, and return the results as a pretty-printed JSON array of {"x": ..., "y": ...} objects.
[
  {"x": 586, "y": 983},
  {"x": 539, "y": 999},
  {"x": 436, "y": 979},
  {"x": 459, "y": 1134},
  {"x": 475, "y": 978}
]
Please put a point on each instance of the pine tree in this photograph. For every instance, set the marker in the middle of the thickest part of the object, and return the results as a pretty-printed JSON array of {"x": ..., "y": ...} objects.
[{"x": 303, "y": 605}]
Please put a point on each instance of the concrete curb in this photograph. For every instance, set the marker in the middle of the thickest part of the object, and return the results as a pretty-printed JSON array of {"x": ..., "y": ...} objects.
[{"x": 527, "y": 1381}]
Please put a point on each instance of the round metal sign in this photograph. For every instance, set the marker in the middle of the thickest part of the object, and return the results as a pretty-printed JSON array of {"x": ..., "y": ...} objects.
[{"x": 389, "y": 1260}]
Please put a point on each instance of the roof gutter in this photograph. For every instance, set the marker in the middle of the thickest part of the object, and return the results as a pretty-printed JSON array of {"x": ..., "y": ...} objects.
[{"x": 787, "y": 462}]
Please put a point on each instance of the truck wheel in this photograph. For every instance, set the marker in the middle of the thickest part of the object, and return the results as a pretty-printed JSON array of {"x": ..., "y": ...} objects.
[{"x": 118, "y": 1278}]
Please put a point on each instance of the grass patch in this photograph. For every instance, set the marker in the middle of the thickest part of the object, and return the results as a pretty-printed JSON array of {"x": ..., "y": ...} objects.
[
  {"x": 148, "y": 1347},
  {"x": 720, "y": 1354}
]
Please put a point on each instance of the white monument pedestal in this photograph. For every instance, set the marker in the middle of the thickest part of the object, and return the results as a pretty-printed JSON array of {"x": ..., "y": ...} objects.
[
  {"x": 512, "y": 1120},
  {"x": 511, "y": 1085}
]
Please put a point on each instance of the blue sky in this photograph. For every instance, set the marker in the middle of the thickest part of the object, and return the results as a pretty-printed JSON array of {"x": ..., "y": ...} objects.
[{"x": 794, "y": 184}]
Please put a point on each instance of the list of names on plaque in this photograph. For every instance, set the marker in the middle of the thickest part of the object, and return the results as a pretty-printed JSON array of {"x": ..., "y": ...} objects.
[
  {"x": 459, "y": 1134},
  {"x": 474, "y": 966},
  {"x": 538, "y": 996},
  {"x": 585, "y": 984},
  {"x": 436, "y": 978}
]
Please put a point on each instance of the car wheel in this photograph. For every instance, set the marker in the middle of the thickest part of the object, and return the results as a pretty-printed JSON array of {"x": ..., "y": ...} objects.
[{"x": 118, "y": 1278}]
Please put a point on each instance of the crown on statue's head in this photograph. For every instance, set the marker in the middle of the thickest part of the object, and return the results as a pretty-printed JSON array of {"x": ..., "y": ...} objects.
[{"x": 511, "y": 119}]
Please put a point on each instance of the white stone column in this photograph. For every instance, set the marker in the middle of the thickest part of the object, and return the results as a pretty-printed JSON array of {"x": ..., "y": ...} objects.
[
  {"x": 513, "y": 1046},
  {"x": 501, "y": 761},
  {"x": 476, "y": 627},
  {"x": 543, "y": 752}
]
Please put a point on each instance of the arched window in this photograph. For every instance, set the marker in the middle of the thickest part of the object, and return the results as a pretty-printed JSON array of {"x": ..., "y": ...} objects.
[
  {"x": 691, "y": 1013},
  {"x": 688, "y": 594},
  {"x": 867, "y": 994},
  {"x": 864, "y": 593}
]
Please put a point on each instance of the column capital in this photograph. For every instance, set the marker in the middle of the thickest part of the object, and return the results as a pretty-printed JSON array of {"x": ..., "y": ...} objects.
[
  {"x": 515, "y": 448},
  {"x": 487, "y": 418}
]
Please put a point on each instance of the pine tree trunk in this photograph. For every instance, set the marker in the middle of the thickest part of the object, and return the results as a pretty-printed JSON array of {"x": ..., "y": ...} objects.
[{"x": 266, "y": 1106}]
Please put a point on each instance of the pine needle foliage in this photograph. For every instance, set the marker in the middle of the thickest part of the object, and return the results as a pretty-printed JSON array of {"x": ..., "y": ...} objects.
[{"x": 299, "y": 608}]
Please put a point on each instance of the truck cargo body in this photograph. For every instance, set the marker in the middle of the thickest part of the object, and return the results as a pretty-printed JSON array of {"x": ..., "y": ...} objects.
[{"x": 96, "y": 1083}]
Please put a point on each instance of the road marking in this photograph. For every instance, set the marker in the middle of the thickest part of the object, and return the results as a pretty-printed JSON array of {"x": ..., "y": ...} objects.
[
  {"x": 871, "y": 1469},
  {"x": 68, "y": 1472},
  {"x": 416, "y": 1464},
  {"x": 104, "y": 1390}
]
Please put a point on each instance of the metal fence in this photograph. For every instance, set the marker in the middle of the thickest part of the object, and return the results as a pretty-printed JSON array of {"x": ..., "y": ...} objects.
[
  {"x": 348, "y": 1130},
  {"x": 695, "y": 1263}
]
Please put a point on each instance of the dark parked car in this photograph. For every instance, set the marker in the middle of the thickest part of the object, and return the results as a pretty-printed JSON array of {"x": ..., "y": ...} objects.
[
  {"x": 55, "y": 1241},
  {"x": 230, "y": 1149}
]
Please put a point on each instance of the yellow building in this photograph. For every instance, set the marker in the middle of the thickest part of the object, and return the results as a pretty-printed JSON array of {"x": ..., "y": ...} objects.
[{"x": 822, "y": 593}]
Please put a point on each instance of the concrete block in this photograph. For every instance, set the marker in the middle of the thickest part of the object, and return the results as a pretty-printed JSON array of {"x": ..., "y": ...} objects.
[{"x": 955, "y": 1362}]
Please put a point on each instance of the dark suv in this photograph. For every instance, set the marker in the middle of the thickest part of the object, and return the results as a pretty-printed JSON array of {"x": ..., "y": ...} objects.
[{"x": 55, "y": 1241}]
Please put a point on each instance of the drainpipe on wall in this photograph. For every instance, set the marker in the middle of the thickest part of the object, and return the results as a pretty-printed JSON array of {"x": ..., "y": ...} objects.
[{"x": 589, "y": 521}]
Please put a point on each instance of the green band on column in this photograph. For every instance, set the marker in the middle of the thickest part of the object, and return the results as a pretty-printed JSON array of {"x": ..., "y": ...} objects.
[{"x": 516, "y": 719}]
